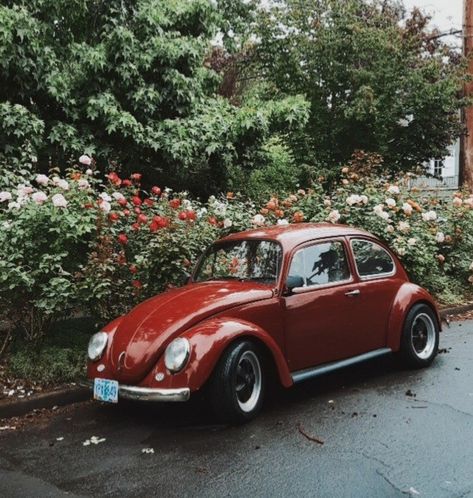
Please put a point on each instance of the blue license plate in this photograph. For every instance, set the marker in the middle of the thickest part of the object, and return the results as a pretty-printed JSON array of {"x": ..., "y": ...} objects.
[{"x": 106, "y": 390}]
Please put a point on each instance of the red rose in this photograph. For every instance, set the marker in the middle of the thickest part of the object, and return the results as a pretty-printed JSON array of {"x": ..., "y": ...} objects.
[
  {"x": 183, "y": 215},
  {"x": 114, "y": 178},
  {"x": 175, "y": 203},
  {"x": 126, "y": 183},
  {"x": 137, "y": 284},
  {"x": 156, "y": 190},
  {"x": 142, "y": 218},
  {"x": 149, "y": 202},
  {"x": 133, "y": 269},
  {"x": 135, "y": 226},
  {"x": 153, "y": 227},
  {"x": 136, "y": 177},
  {"x": 212, "y": 220},
  {"x": 161, "y": 221},
  {"x": 123, "y": 239},
  {"x": 126, "y": 212},
  {"x": 191, "y": 215},
  {"x": 137, "y": 210},
  {"x": 113, "y": 217},
  {"x": 123, "y": 202},
  {"x": 136, "y": 200}
]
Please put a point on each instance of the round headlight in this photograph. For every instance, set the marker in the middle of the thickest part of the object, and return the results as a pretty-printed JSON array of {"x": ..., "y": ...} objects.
[
  {"x": 97, "y": 345},
  {"x": 177, "y": 354}
]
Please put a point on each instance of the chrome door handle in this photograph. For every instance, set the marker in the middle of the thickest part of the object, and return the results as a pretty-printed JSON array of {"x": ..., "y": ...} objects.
[{"x": 353, "y": 293}]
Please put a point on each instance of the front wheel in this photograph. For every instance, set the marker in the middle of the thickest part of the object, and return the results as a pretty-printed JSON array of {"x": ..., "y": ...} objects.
[
  {"x": 237, "y": 384},
  {"x": 420, "y": 337}
]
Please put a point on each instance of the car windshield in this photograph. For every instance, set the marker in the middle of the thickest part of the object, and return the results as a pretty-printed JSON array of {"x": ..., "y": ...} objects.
[{"x": 258, "y": 260}]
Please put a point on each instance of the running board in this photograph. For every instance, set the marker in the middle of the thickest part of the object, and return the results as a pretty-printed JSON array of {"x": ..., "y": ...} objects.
[{"x": 309, "y": 373}]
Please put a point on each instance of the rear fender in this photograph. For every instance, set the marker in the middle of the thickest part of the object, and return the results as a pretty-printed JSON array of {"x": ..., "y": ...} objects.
[
  {"x": 407, "y": 296},
  {"x": 208, "y": 340}
]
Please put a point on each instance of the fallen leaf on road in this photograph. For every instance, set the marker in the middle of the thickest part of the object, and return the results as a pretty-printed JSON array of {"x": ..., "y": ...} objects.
[
  {"x": 413, "y": 491},
  {"x": 93, "y": 440},
  {"x": 310, "y": 438},
  {"x": 60, "y": 438},
  {"x": 7, "y": 427},
  {"x": 147, "y": 450}
]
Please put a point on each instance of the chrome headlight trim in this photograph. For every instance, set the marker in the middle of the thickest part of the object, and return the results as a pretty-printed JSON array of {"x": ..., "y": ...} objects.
[
  {"x": 97, "y": 345},
  {"x": 176, "y": 355}
]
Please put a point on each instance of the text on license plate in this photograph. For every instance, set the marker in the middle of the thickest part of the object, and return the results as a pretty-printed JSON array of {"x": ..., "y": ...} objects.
[{"x": 106, "y": 390}]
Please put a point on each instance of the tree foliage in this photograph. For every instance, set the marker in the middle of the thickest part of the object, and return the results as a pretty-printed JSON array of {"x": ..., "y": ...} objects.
[
  {"x": 126, "y": 81},
  {"x": 376, "y": 79}
]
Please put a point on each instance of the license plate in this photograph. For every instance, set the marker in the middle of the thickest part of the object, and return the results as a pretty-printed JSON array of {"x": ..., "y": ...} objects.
[{"x": 106, "y": 390}]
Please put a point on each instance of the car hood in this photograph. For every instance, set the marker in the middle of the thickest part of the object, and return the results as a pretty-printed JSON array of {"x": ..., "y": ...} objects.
[{"x": 147, "y": 329}]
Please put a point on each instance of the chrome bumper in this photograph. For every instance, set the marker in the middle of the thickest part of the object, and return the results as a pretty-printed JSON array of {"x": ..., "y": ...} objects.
[{"x": 149, "y": 394}]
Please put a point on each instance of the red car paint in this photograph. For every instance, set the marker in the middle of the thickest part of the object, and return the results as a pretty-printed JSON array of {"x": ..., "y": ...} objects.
[{"x": 316, "y": 326}]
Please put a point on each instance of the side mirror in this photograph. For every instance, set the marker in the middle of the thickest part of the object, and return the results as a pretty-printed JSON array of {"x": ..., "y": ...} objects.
[{"x": 294, "y": 281}]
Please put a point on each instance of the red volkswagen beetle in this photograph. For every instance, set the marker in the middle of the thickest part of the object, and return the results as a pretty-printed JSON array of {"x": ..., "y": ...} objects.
[{"x": 298, "y": 300}]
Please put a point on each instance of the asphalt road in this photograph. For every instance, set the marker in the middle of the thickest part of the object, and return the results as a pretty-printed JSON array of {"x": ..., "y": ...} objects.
[{"x": 385, "y": 432}]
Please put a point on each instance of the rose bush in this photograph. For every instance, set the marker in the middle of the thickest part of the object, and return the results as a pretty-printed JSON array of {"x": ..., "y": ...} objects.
[{"x": 101, "y": 245}]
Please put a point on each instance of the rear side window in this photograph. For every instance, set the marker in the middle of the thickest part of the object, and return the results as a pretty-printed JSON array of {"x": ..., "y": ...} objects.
[
  {"x": 320, "y": 264},
  {"x": 371, "y": 259}
]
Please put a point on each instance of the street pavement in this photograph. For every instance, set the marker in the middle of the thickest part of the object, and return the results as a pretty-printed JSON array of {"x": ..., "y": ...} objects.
[{"x": 385, "y": 431}]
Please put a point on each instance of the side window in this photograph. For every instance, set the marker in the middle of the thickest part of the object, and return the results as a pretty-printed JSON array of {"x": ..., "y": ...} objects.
[
  {"x": 320, "y": 264},
  {"x": 371, "y": 259}
]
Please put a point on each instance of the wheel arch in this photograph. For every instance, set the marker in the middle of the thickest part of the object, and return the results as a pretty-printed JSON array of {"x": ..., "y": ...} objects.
[{"x": 408, "y": 296}]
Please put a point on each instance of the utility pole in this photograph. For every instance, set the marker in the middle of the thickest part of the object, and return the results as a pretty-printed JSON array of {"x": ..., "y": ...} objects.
[{"x": 466, "y": 144}]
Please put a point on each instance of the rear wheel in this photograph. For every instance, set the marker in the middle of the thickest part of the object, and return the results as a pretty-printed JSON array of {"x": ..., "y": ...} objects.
[
  {"x": 237, "y": 385},
  {"x": 420, "y": 337}
]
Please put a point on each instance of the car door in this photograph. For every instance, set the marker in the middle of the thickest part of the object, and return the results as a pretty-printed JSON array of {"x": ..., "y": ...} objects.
[
  {"x": 320, "y": 316},
  {"x": 378, "y": 284}
]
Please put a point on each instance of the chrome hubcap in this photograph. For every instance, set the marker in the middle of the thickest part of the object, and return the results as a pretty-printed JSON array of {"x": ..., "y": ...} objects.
[
  {"x": 248, "y": 381},
  {"x": 423, "y": 336}
]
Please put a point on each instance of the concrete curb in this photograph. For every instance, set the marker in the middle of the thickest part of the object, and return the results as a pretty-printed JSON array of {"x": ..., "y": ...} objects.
[
  {"x": 456, "y": 310},
  {"x": 60, "y": 397}
]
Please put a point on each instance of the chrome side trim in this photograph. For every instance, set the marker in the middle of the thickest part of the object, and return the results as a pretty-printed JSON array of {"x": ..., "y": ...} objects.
[
  {"x": 308, "y": 373},
  {"x": 149, "y": 394}
]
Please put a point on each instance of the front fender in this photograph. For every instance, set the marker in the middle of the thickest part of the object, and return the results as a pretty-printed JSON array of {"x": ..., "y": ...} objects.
[
  {"x": 407, "y": 296},
  {"x": 208, "y": 341}
]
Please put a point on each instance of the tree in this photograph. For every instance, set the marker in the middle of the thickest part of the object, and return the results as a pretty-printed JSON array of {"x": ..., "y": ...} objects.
[
  {"x": 376, "y": 79},
  {"x": 125, "y": 81}
]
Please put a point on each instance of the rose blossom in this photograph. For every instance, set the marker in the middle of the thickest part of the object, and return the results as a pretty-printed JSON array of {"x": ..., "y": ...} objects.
[
  {"x": 439, "y": 237},
  {"x": 227, "y": 223},
  {"x": 39, "y": 197},
  {"x": 24, "y": 190},
  {"x": 390, "y": 229},
  {"x": 14, "y": 205},
  {"x": 429, "y": 216},
  {"x": 118, "y": 196},
  {"x": 83, "y": 184},
  {"x": 258, "y": 219},
  {"x": 105, "y": 206},
  {"x": 379, "y": 211},
  {"x": 412, "y": 241},
  {"x": 327, "y": 202},
  {"x": 105, "y": 197},
  {"x": 457, "y": 202},
  {"x": 89, "y": 172},
  {"x": 404, "y": 226},
  {"x": 407, "y": 208},
  {"x": 42, "y": 179},
  {"x": 85, "y": 159},
  {"x": 334, "y": 216},
  {"x": 390, "y": 202},
  {"x": 59, "y": 182},
  {"x": 5, "y": 196},
  {"x": 282, "y": 222},
  {"x": 59, "y": 200},
  {"x": 393, "y": 189}
]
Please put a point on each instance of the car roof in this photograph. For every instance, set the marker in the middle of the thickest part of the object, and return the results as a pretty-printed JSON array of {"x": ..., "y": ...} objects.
[{"x": 297, "y": 233}]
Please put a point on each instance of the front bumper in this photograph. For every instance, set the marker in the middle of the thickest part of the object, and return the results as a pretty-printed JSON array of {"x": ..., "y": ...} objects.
[{"x": 150, "y": 394}]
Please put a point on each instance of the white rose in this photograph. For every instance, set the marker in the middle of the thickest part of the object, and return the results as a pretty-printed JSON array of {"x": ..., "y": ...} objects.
[
  {"x": 390, "y": 229},
  {"x": 258, "y": 219},
  {"x": 390, "y": 202},
  {"x": 24, "y": 190},
  {"x": 5, "y": 196},
  {"x": 440, "y": 237},
  {"x": 104, "y": 196},
  {"x": 83, "y": 184},
  {"x": 404, "y": 226},
  {"x": 118, "y": 196},
  {"x": 14, "y": 205},
  {"x": 407, "y": 208},
  {"x": 85, "y": 159},
  {"x": 59, "y": 200},
  {"x": 364, "y": 199},
  {"x": 327, "y": 202},
  {"x": 89, "y": 172},
  {"x": 429, "y": 216},
  {"x": 39, "y": 197},
  {"x": 393, "y": 189},
  {"x": 105, "y": 206},
  {"x": 412, "y": 241},
  {"x": 457, "y": 202},
  {"x": 334, "y": 216},
  {"x": 42, "y": 179},
  {"x": 227, "y": 223},
  {"x": 283, "y": 222},
  {"x": 59, "y": 182}
]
